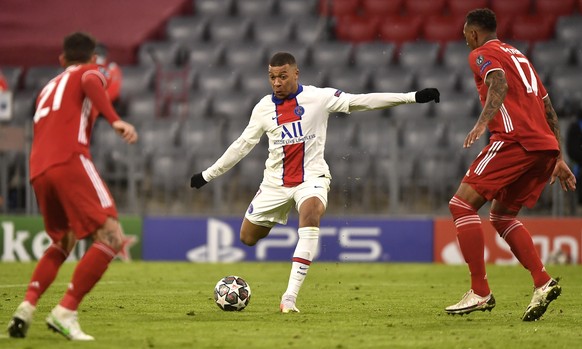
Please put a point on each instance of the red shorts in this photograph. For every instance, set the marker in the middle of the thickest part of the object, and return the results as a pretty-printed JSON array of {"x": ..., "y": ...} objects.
[
  {"x": 72, "y": 196},
  {"x": 510, "y": 174}
]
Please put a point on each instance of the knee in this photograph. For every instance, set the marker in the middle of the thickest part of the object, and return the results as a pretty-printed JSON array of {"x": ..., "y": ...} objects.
[
  {"x": 503, "y": 224},
  {"x": 110, "y": 234},
  {"x": 248, "y": 239}
]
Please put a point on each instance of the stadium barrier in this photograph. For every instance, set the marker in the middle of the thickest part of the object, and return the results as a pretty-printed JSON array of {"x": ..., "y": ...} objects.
[{"x": 346, "y": 239}]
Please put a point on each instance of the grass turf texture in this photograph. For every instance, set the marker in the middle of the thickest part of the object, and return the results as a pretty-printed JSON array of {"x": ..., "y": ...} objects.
[{"x": 170, "y": 305}]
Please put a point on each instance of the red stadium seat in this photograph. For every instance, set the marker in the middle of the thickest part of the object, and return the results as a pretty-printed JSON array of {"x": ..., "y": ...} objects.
[
  {"x": 580, "y": 6},
  {"x": 555, "y": 8},
  {"x": 511, "y": 8},
  {"x": 423, "y": 7},
  {"x": 382, "y": 7},
  {"x": 356, "y": 29},
  {"x": 504, "y": 27},
  {"x": 532, "y": 28},
  {"x": 338, "y": 8},
  {"x": 398, "y": 29},
  {"x": 461, "y": 7},
  {"x": 439, "y": 28}
]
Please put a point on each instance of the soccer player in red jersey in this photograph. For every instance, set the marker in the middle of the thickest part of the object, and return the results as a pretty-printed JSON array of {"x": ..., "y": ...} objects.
[
  {"x": 512, "y": 170},
  {"x": 75, "y": 203}
]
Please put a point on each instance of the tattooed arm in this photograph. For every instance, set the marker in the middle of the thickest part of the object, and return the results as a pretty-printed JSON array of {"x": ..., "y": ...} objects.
[
  {"x": 561, "y": 170},
  {"x": 495, "y": 95}
]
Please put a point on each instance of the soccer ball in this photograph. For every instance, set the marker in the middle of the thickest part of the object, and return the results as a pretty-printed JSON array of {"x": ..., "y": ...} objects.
[{"x": 232, "y": 293}]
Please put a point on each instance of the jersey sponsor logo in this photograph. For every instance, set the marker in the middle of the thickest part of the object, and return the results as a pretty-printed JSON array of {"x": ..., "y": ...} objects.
[{"x": 299, "y": 110}]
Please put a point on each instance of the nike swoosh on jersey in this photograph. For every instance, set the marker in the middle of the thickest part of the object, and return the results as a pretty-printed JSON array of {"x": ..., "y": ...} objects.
[{"x": 276, "y": 117}]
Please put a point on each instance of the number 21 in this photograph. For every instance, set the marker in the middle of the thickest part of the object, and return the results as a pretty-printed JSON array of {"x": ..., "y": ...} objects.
[{"x": 41, "y": 110}]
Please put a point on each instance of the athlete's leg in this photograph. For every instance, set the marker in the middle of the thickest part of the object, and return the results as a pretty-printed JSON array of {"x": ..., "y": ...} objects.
[
  {"x": 107, "y": 242},
  {"x": 310, "y": 213},
  {"x": 519, "y": 240},
  {"x": 464, "y": 206},
  {"x": 251, "y": 233}
]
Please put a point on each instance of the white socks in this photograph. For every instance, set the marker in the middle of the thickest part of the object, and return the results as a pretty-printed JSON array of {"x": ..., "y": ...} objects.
[{"x": 302, "y": 257}]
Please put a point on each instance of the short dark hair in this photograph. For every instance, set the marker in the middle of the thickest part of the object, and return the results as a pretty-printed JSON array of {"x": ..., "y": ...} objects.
[
  {"x": 483, "y": 18},
  {"x": 79, "y": 47},
  {"x": 281, "y": 58}
]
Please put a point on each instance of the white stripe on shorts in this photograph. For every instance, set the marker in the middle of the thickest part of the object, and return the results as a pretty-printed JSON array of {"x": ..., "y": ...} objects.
[{"x": 97, "y": 182}]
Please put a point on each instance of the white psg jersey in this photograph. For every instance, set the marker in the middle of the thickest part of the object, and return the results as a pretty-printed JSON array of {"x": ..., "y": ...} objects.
[{"x": 297, "y": 128}]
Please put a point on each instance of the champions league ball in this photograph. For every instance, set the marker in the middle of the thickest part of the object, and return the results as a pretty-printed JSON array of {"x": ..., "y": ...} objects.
[{"x": 232, "y": 293}]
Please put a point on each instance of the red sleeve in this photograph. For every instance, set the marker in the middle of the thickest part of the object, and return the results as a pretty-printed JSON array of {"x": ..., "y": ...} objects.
[{"x": 93, "y": 87}]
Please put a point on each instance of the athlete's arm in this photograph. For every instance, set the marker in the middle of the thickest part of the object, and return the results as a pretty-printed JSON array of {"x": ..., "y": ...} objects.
[
  {"x": 372, "y": 101},
  {"x": 93, "y": 87},
  {"x": 235, "y": 152},
  {"x": 497, "y": 84}
]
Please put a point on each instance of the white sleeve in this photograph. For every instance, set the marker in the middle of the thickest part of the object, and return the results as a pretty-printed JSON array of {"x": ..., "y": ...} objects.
[
  {"x": 372, "y": 101},
  {"x": 235, "y": 152}
]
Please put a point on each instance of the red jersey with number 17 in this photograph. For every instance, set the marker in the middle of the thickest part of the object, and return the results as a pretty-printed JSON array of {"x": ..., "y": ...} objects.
[
  {"x": 522, "y": 116},
  {"x": 63, "y": 120}
]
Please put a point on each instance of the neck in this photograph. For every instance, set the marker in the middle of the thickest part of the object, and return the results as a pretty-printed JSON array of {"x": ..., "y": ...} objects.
[{"x": 488, "y": 37}]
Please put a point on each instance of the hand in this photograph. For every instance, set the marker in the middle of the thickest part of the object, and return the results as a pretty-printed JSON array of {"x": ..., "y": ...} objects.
[
  {"x": 566, "y": 177},
  {"x": 426, "y": 95},
  {"x": 126, "y": 131},
  {"x": 474, "y": 134},
  {"x": 197, "y": 181}
]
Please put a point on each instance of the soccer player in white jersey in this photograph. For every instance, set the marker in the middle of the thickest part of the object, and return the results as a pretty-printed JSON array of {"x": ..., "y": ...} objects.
[{"x": 295, "y": 119}]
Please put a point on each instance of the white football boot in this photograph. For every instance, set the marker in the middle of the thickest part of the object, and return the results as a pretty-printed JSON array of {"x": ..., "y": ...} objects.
[
  {"x": 65, "y": 322},
  {"x": 288, "y": 304},
  {"x": 21, "y": 319},
  {"x": 470, "y": 303},
  {"x": 542, "y": 297}
]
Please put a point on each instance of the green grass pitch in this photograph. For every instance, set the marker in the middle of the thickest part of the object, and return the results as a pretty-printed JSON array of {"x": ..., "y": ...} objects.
[{"x": 169, "y": 305}]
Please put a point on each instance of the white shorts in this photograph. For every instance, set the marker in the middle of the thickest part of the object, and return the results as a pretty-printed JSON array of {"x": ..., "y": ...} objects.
[{"x": 272, "y": 204}]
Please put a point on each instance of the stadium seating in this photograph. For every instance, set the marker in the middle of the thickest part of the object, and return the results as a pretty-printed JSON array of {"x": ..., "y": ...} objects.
[
  {"x": 142, "y": 106},
  {"x": 418, "y": 54},
  {"x": 455, "y": 55},
  {"x": 328, "y": 54},
  {"x": 136, "y": 79},
  {"x": 393, "y": 79},
  {"x": 232, "y": 106},
  {"x": 356, "y": 29},
  {"x": 532, "y": 27},
  {"x": 217, "y": 79},
  {"x": 255, "y": 82},
  {"x": 547, "y": 55},
  {"x": 349, "y": 80},
  {"x": 37, "y": 77},
  {"x": 373, "y": 54},
  {"x": 187, "y": 29},
  {"x": 569, "y": 28},
  {"x": 202, "y": 55},
  {"x": 423, "y": 7},
  {"x": 245, "y": 56},
  {"x": 446, "y": 79},
  {"x": 462, "y": 7},
  {"x": 229, "y": 29},
  {"x": 504, "y": 8},
  {"x": 165, "y": 53},
  {"x": 255, "y": 8},
  {"x": 272, "y": 30},
  {"x": 310, "y": 30},
  {"x": 454, "y": 107},
  {"x": 338, "y": 8},
  {"x": 213, "y": 8},
  {"x": 442, "y": 29},
  {"x": 555, "y": 8},
  {"x": 12, "y": 76},
  {"x": 381, "y": 8},
  {"x": 312, "y": 76},
  {"x": 400, "y": 29},
  {"x": 23, "y": 105},
  {"x": 301, "y": 52},
  {"x": 298, "y": 8}
]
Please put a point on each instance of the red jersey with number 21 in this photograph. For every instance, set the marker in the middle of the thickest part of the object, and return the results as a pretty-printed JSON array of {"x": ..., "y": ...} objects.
[
  {"x": 522, "y": 116},
  {"x": 63, "y": 120}
]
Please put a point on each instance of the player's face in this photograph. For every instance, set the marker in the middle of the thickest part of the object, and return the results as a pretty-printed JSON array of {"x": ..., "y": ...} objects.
[
  {"x": 283, "y": 80},
  {"x": 470, "y": 36}
]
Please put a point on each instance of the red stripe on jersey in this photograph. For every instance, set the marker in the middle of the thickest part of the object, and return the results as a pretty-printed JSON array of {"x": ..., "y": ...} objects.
[{"x": 293, "y": 154}]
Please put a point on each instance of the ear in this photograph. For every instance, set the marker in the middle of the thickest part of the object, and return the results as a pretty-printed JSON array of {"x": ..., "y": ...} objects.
[{"x": 62, "y": 60}]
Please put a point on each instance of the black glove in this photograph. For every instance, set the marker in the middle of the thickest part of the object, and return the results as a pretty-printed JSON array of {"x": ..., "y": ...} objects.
[
  {"x": 197, "y": 181},
  {"x": 426, "y": 95}
]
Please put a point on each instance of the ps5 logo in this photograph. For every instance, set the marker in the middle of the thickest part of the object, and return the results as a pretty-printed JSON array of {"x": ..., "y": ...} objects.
[{"x": 219, "y": 245}]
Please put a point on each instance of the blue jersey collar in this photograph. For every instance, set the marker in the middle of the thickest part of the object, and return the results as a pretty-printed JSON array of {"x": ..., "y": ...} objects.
[{"x": 291, "y": 96}]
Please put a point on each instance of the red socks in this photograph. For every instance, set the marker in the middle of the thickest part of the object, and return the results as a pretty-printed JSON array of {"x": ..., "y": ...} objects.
[
  {"x": 521, "y": 244},
  {"x": 45, "y": 273},
  {"x": 470, "y": 236},
  {"x": 87, "y": 273}
]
